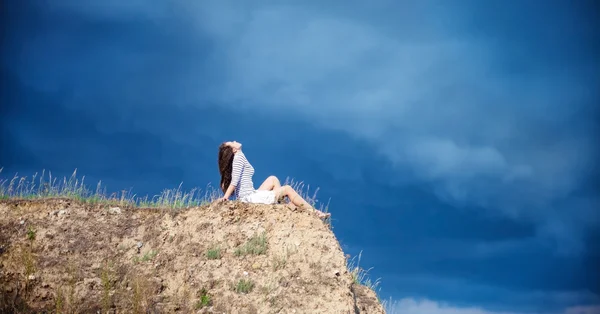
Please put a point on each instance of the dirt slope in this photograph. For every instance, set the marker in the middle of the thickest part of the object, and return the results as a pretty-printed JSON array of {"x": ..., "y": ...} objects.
[{"x": 64, "y": 256}]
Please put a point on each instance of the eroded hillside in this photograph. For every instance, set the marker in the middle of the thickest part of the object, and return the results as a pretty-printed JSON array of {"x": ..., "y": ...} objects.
[{"x": 59, "y": 255}]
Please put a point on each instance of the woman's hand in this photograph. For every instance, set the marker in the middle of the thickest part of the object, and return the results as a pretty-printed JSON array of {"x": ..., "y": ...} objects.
[
  {"x": 228, "y": 194},
  {"x": 221, "y": 199}
]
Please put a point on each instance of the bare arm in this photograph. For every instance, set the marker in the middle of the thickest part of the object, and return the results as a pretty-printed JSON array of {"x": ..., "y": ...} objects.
[{"x": 229, "y": 191}]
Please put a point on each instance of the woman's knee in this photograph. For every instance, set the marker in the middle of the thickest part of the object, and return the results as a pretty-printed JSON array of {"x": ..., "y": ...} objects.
[
  {"x": 283, "y": 189},
  {"x": 288, "y": 189},
  {"x": 274, "y": 178}
]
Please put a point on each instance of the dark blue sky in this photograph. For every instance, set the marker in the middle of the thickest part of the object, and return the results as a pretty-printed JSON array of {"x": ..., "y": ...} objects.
[{"x": 457, "y": 143}]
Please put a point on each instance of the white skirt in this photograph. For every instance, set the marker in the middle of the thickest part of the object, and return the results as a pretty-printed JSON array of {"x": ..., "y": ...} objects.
[{"x": 260, "y": 197}]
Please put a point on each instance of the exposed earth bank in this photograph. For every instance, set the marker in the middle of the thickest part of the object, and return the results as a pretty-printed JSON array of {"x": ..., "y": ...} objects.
[{"x": 64, "y": 256}]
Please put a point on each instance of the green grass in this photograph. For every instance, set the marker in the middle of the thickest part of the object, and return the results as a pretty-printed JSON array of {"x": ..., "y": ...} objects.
[
  {"x": 204, "y": 300},
  {"x": 255, "y": 246},
  {"x": 214, "y": 253},
  {"x": 244, "y": 286},
  {"x": 30, "y": 233}
]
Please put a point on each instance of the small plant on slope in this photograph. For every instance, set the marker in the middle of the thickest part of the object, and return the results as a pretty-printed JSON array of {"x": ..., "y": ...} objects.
[
  {"x": 146, "y": 257},
  {"x": 214, "y": 253},
  {"x": 30, "y": 233},
  {"x": 106, "y": 277},
  {"x": 255, "y": 246},
  {"x": 59, "y": 302},
  {"x": 140, "y": 297},
  {"x": 204, "y": 300},
  {"x": 244, "y": 286},
  {"x": 149, "y": 256},
  {"x": 360, "y": 275}
]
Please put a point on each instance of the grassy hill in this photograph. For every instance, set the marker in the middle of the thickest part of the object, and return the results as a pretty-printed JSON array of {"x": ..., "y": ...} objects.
[{"x": 64, "y": 249}]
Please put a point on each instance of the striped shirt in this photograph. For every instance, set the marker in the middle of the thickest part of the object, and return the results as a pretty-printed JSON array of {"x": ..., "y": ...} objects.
[{"x": 241, "y": 175}]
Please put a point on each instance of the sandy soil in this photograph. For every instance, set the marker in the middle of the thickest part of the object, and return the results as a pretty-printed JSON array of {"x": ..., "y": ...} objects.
[{"x": 61, "y": 256}]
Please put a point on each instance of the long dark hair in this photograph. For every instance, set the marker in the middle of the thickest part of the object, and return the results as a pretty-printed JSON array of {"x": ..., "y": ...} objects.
[{"x": 225, "y": 165}]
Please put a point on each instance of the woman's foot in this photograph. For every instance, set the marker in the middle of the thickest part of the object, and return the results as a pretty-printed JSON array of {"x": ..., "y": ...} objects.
[{"x": 321, "y": 214}]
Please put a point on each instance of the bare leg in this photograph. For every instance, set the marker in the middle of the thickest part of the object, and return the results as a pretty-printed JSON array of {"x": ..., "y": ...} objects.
[
  {"x": 270, "y": 184},
  {"x": 297, "y": 200}
]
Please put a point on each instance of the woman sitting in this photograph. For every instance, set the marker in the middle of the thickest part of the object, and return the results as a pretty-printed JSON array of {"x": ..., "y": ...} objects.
[{"x": 236, "y": 177}]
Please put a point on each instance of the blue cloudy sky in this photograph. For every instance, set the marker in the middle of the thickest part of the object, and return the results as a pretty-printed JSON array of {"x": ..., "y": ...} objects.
[{"x": 454, "y": 139}]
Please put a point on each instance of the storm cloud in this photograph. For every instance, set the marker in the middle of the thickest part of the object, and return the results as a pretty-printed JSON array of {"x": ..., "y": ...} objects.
[{"x": 466, "y": 134}]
